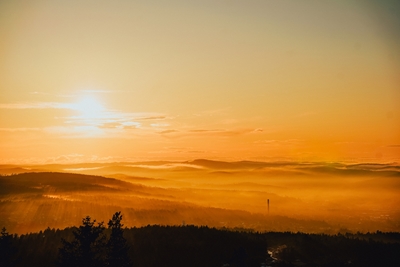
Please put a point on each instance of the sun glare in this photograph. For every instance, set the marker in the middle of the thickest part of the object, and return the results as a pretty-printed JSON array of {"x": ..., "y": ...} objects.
[{"x": 89, "y": 107}]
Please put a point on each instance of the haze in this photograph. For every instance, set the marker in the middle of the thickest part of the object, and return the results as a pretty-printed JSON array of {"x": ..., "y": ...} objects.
[
  {"x": 110, "y": 87},
  {"x": 307, "y": 197}
]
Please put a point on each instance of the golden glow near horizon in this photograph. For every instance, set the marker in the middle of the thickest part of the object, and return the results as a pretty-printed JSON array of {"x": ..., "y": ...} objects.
[{"x": 179, "y": 80}]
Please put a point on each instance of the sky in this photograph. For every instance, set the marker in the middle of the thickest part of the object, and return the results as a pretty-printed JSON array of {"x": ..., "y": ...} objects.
[{"x": 89, "y": 81}]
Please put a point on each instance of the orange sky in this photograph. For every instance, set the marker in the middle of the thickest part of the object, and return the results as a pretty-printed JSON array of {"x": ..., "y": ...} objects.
[{"x": 178, "y": 80}]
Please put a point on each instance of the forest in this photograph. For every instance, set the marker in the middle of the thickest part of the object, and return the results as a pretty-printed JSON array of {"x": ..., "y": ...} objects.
[{"x": 93, "y": 244}]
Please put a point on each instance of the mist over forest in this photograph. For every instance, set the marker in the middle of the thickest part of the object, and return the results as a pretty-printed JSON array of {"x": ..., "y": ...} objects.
[{"x": 312, "y": 197}]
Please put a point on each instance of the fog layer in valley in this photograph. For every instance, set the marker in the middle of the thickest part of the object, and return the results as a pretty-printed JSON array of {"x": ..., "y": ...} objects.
[{"x": 308, "y": 197}]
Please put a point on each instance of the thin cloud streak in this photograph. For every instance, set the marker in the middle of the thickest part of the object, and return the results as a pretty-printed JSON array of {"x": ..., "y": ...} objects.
[
  {"x": 115, "y": 119},
  {"x": 56, "y": 95},
  {"x": 207, "y": 132},
  {"x": 95, "y": 122},
  {"x": 39, "y": 105},
  {"x": 19, "y": 129},
  {"x": 273, "y": 142}
]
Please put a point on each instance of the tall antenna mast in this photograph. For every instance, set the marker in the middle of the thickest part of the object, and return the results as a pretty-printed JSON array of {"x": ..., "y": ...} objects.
[{"x": 268, "y": 204}]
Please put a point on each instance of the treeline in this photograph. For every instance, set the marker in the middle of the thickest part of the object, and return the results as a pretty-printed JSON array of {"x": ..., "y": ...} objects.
[
  {"x": 93, "y": 244},
  {"x": 296, "y": 249}
]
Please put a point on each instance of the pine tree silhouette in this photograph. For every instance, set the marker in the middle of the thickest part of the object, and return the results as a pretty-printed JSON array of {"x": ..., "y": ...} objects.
[
  {"x": 88, "y": 247},
  {"x": 6, "y": 249},
  {"x": 116, "y": 245}
]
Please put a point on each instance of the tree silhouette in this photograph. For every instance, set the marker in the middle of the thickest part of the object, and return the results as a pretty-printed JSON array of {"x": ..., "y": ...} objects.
[
  {"x": 116, "y": 245},
  {"x": 6, "y": 248},
  {"x": 87, "y": 248}
]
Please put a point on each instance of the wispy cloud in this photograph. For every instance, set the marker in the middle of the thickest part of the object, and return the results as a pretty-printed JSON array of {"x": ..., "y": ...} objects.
[
  {"x": 121, "y": 125},
  {"x": 37, "y": 105},
  {"x": 36, "y": 93},
  {"x": 352, "y": 143},
  {"x": 286, "y": 142},
  {"x": 168, "y": 131},
  {"x": 206, "y": 132},
  {"x": 151, "y": 117},
  {"x": 77, "y": 93},
  {"x": 225, "y": 132},
  {"x": 121, "y": 120},
  {"x": 92, "y": 91},
  {"x": 19, "y": 129},
  {"x": 86, "y": 131},
  {"x": 90, "y": 117}
]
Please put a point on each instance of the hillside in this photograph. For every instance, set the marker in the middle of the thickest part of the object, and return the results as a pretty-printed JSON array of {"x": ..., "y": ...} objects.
[{"x": 310, "y": 197}]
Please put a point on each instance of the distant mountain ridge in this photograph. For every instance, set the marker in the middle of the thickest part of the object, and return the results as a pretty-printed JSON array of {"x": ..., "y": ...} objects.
[{"x": 211, "y": 165}]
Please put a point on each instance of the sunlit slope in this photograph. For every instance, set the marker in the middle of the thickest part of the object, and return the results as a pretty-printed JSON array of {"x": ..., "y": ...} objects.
[
  {"x": 33, "y": 201},
  {"x": 57, "y": 198}
]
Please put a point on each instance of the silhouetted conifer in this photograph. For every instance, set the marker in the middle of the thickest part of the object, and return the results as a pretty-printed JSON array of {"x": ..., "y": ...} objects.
[
  {"x": 116, "y": 245},
  {"x": 87, "y": 248},
  {"x": 6, "y": 249}
]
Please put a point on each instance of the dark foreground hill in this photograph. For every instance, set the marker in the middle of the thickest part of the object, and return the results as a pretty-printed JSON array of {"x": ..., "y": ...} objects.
[{"x": 203, "y": 246}]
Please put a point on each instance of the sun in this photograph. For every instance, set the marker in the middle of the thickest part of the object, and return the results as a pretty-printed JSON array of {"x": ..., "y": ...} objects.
[{"x": 89, "y": 108}]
